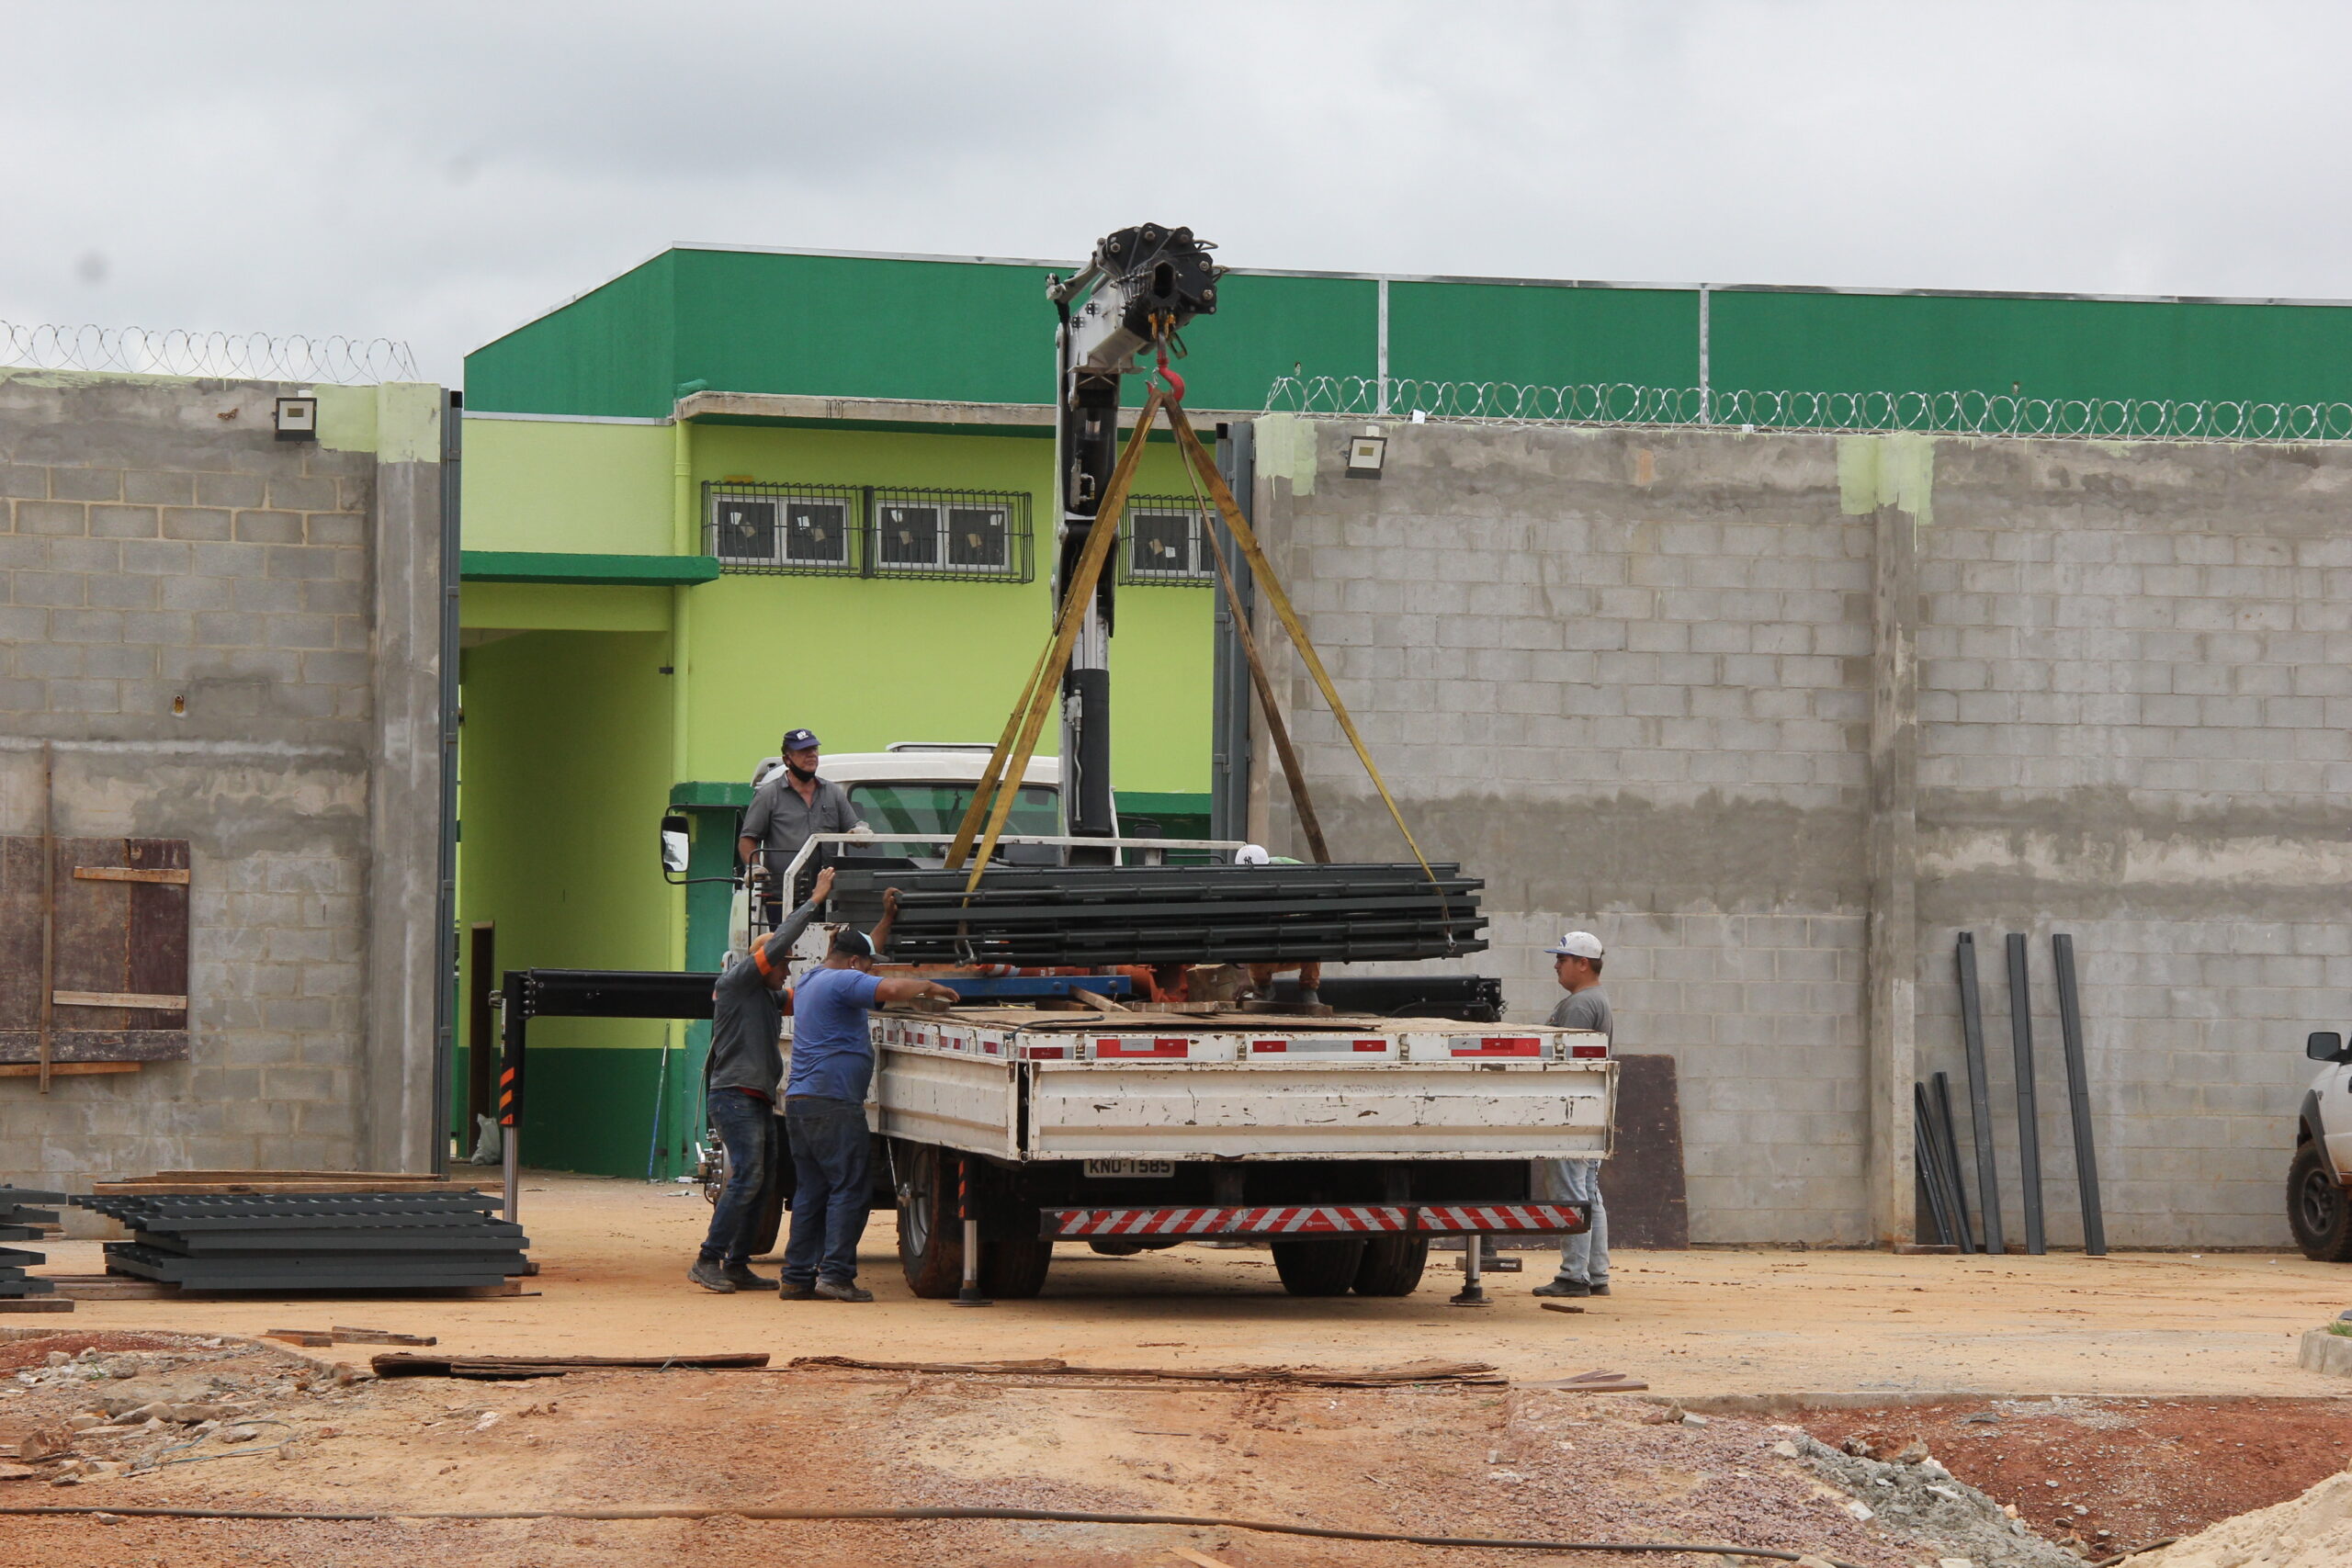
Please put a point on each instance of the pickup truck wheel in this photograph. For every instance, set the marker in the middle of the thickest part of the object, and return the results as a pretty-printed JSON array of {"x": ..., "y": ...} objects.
[
  {"x": 1317, "y": 1268},
  {"x": 2317, "y": 1209},
  {"x": 1392, "y": 1265},
  {"x": 931, "y": 1237}
]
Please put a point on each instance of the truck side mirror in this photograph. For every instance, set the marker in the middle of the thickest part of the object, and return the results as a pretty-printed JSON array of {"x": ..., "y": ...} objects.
[
  {"x": 2324, "y": 1045},
  {"x": 675, "y": 843}
]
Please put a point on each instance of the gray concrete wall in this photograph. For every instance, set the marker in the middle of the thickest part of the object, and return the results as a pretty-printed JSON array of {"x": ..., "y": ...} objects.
[
  {"x": 1776, "y": 714},
  {"x": 158, "y": 543}
]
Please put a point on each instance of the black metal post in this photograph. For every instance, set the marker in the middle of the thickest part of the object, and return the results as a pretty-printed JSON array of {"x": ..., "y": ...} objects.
[
  {"x": 2078, "y": 1095},
  {"x": 1939, "y": 1091},
  {"x": 1980, "y": 1094},
  {"x": 2029, "y": 1113},
  {"x": 514, "y": 1020}
]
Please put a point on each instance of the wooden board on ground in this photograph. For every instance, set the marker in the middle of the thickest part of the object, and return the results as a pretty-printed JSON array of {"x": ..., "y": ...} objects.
[
  {"x": 1478, "y": 1373},
  {"x": 108, "y": 1287},
  {"x": 274, "y": 1184},
  {"x": 400, "y": 1364},
  {"x": 35, "y": 1304}
]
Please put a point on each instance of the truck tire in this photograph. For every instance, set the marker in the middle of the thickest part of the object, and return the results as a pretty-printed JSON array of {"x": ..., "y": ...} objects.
[
  {"x": 1014, "y": 1256},
  {"x": 931, "y": 1237},
  {"x": 2317, "y": 1208},
  {"x": 1392, "y": 1265},
  {"x": 1317, "y": 1268}
]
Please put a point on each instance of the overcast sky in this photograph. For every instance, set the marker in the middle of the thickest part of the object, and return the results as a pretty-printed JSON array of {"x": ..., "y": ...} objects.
[{"x": 439, "y": 173}]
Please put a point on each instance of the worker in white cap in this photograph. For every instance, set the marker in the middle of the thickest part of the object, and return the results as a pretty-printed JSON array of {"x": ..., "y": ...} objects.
[{"x": 1584, "y": 1257}]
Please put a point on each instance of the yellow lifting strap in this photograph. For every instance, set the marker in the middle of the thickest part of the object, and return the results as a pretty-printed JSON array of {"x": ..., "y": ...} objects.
[
  {"x": 1001, "y": 780},
  {"x": 1246, "y": 539}
]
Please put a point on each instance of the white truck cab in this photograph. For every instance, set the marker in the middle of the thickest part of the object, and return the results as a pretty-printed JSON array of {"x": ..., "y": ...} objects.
[{"x": 2318, "y": 1207}]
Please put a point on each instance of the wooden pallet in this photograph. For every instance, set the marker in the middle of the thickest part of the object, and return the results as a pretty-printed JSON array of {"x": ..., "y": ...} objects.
[{"x": 108, "y": 1287}]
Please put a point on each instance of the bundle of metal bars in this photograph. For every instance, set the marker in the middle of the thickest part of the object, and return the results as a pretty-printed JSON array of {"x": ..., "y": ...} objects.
[
  {"x": 21, "y": 1222},
  {"x": 342, "y": 1241},
  {"x": 1037, "y": 916}
]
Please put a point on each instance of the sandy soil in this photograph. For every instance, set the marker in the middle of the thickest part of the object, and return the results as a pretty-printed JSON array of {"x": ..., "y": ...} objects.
[{"x": 614, "y": 1255}]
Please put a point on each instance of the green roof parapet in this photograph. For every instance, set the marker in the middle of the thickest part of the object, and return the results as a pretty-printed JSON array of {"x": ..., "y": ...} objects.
[
  {"x": 710, "y": 792},
  {"x": 587, "y": 570}
]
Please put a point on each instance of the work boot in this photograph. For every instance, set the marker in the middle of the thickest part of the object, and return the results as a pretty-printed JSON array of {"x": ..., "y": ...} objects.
[
  {"x": 711, "y": 1277},
  {"x": 804, "y": 1292},
  {"x": 1602, "y": 1289},
  {"x": 1567, "y": 1288},
  {"x": 843, "y": 1290},
  {"x": 747, "y": 1281}
]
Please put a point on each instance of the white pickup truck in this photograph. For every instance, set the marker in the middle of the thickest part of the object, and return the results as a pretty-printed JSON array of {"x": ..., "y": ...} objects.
[{"x": 2318, "y": 1207}]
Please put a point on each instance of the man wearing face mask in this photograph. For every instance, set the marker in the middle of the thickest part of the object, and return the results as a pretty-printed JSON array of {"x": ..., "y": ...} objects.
[{"x": 793, "y": 804}]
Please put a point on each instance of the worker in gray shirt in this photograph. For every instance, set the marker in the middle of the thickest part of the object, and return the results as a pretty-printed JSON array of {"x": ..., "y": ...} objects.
[
  {"x": 1584, "y": 1257},
  {"x": 787, "y": 809},
  {"x": 740, "y": 1084}
]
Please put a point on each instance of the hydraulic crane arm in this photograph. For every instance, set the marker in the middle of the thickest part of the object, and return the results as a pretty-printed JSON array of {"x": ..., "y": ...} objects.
[{"x": 1133, "y": 297}]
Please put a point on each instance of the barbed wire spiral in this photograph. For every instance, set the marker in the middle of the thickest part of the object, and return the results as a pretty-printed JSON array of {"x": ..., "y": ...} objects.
[
  {"x": 1859, "y": 413},
  {"x": 234, "y": 357}
]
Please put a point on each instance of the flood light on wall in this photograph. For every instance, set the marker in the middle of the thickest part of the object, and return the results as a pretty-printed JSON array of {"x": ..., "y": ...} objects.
[
  {"x": 298, "y": 418},
  {"x": 1365, "y": 454}
]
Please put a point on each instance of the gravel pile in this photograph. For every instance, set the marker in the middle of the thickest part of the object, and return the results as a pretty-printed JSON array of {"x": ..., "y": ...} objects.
[{"x": 1917, "y": 1498}]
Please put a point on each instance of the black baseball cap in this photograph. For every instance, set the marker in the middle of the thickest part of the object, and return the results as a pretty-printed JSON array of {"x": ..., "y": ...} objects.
[
  {"x": 799, "y": 739},
  {"x": 853, "y": 942}
]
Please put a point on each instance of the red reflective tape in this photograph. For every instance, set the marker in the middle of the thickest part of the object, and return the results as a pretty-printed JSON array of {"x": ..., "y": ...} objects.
[
  {"x": 1372, "y": 1044},
  {"x": 1131, "y": 1049},
  {"x": 1588, "y": 1049},
  {"x": 1264, "y": 1047},
  {"x": 1503, "y": 1045}
]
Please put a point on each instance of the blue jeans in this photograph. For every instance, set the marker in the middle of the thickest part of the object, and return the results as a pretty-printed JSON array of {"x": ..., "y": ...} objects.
[
  {"x": 746, "y": 1126},
  {"x": 1584, "y": 1257},
  {"x": 829, "y": 1192}
]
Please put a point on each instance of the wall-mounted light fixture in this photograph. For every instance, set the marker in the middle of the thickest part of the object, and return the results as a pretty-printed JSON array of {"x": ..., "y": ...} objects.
[
  {"x": 1365, "y": 454},
  {"x": 298, "y": 418}
]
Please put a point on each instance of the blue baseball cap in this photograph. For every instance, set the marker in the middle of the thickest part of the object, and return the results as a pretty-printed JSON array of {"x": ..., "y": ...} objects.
[{"x": 799, "y": 739}]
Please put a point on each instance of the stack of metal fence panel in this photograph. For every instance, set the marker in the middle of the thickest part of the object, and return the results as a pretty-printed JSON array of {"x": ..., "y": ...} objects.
[
  {"x": 21, "y": 1222},
  {"x": 316, "y": 1241},
  {"x": 1036, "y": 915}
]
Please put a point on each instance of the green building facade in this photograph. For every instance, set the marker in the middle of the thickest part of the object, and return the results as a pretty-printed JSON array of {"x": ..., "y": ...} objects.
[{"x": 627, "y": 654}]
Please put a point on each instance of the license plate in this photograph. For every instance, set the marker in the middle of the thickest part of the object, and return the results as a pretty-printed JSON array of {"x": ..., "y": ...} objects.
[{"x": 1131, "y": 1167}]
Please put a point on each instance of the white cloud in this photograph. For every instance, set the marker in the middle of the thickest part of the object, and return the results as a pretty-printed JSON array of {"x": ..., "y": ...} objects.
[{"x": 439, "y": 171}]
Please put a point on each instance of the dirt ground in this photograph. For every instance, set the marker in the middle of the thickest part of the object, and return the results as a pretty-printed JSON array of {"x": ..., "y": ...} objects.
[
  {"x": 2117, "y": 1475},
  {"x": 2144, "y": 1341},
  {"x": 614, "y": 1256}
]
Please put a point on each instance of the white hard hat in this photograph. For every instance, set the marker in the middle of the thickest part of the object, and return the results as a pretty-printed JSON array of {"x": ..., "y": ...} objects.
[
  {"x": 1578, "y": 944},
  {"x": 1252, "y": 854}
]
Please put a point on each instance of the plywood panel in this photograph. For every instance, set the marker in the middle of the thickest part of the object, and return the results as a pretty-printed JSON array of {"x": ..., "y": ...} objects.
[{"x": 116, "y": 935}]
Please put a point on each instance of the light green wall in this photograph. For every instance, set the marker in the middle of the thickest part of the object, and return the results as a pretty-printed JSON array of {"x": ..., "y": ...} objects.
[
  {"x": 864, "y": 661},
  {"x": 593, "y": 489},
  {"x": 563, "y": 776},
  {"x": 532, "y": 607}
]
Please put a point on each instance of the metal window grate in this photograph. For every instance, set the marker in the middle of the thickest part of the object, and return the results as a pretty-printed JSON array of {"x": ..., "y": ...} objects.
[
  {"x": 949, "y": 534},
  {"x": 779, "y": 529},
  {"x": 867, "y": 531},
  {"x": 1160, "y": 540}
]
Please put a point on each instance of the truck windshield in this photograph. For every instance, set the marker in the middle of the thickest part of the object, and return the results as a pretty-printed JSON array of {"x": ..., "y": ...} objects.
[{"x": 939, "y": 809}]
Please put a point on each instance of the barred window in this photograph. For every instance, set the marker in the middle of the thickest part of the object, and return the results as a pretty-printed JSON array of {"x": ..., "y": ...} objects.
[
  {"x": 1160, "y": 540},
  {"x": 868, "y": 531}
]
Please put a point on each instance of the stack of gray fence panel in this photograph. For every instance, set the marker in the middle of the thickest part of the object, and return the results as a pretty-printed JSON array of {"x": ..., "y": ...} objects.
[
  {"x": 1099, "y": 915},
  {"x": 333, "y": 1241},
  {"x": 21, "y": 1222}
]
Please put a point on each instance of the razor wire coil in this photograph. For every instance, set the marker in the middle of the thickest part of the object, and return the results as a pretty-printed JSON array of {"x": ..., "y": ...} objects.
[
  {"x": 228, "y": 356},
  {"x": 1612, "y": 404}
]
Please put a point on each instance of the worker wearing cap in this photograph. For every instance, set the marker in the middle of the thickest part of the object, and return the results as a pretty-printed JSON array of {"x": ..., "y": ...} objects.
[
  {"x": 824, "y": 1109},
  {"x": 739, "y": 1080},
  {"x": 1584, "y": 1257},
  {"x": 792, "y": 805}
]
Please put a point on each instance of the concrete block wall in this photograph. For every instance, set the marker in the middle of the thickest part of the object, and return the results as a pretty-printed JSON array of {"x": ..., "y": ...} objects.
[
  {"x": 1628, "y": 677},
  {"x": 192, "y": 614}
]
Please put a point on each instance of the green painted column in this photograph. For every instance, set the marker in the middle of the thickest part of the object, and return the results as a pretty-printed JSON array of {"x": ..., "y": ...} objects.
[{"x": 712, "y": 854}]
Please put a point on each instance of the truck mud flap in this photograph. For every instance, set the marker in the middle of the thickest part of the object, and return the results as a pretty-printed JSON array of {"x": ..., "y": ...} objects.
[{"x": 1298, "y": 1220}]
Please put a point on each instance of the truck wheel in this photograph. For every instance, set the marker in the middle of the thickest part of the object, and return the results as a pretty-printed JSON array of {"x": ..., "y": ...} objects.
[
  {"x": 1014, "y": 1257},
  {"x": 2317, "y": 1209},
  {"x": 1317, "y": 1268},
  {"x": 930, "y": 1239},
  {"x": 767, "y": 1219},
  {"x": 1392, "y": 1265}
]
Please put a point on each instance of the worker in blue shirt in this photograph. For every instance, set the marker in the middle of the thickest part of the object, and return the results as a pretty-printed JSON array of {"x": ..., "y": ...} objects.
[{"x": 824, "y": 1108}]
